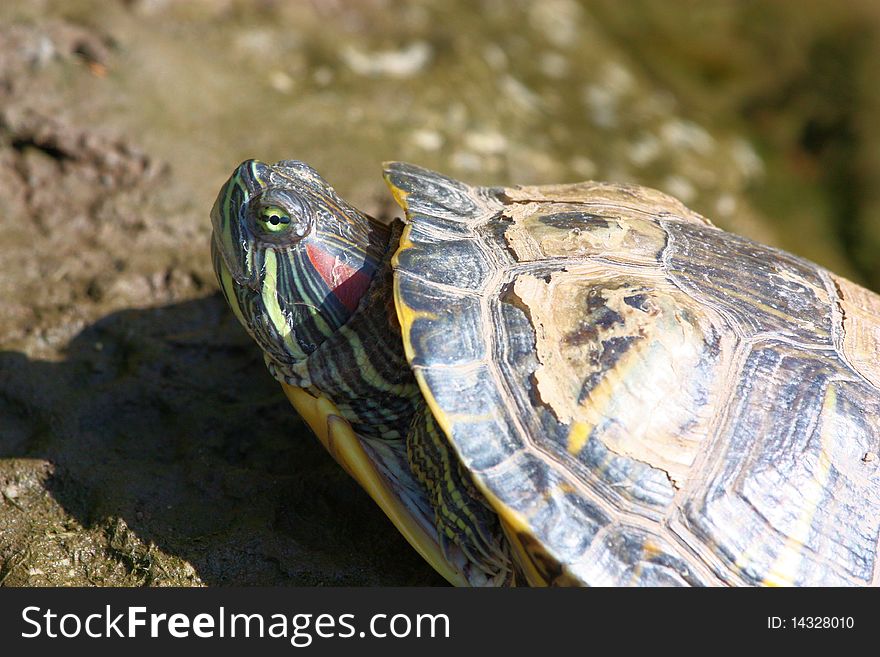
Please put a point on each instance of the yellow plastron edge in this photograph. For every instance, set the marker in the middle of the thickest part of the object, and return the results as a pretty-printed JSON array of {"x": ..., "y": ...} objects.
[{"x": 338, "y": 438}]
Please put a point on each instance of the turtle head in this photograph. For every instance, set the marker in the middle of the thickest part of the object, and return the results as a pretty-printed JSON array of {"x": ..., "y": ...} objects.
[{"x": 293, "y": 259}]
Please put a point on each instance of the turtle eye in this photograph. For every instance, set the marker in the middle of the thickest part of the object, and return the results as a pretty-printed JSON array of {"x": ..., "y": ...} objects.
[
  {"x": 279, "y": 216},
  {"x": 273, "y": 219}
]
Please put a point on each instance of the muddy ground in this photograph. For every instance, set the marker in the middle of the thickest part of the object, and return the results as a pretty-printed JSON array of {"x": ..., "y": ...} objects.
[{"x": 141, "y": 440}]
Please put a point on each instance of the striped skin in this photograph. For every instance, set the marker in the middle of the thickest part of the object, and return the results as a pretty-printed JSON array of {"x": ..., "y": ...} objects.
[
  {"x": 643, "y": 398},
  {"x": 462, "y": 515},
  {"x": 292, "y": 291},
  {"x": 298, "y": 296},
  {"x": 313, "y": 288}
]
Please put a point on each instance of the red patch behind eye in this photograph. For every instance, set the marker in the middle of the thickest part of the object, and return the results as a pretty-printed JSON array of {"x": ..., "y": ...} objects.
[{"x": 347, "y": 283}]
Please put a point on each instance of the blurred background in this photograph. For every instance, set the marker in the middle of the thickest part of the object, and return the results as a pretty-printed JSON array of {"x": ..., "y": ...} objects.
[{"x": 141, "y": 441}]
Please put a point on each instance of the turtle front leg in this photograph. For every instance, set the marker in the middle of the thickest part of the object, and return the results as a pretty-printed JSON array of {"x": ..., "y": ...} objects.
[{"x": 466, "y": 524}]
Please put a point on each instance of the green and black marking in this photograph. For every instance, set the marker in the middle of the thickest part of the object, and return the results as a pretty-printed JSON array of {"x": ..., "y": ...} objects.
[{"x": 310, "y": 279}]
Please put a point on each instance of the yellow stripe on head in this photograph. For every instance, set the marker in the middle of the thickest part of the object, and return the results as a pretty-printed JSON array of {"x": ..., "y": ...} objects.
[{"x": 273, "y": 308}]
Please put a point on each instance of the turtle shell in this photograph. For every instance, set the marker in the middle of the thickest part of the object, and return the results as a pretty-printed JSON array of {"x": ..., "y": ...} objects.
[{"x": 642, "y": 397}]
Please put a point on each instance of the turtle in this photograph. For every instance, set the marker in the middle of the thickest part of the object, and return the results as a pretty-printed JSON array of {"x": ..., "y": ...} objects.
[{"x": 581, "y": 384}]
